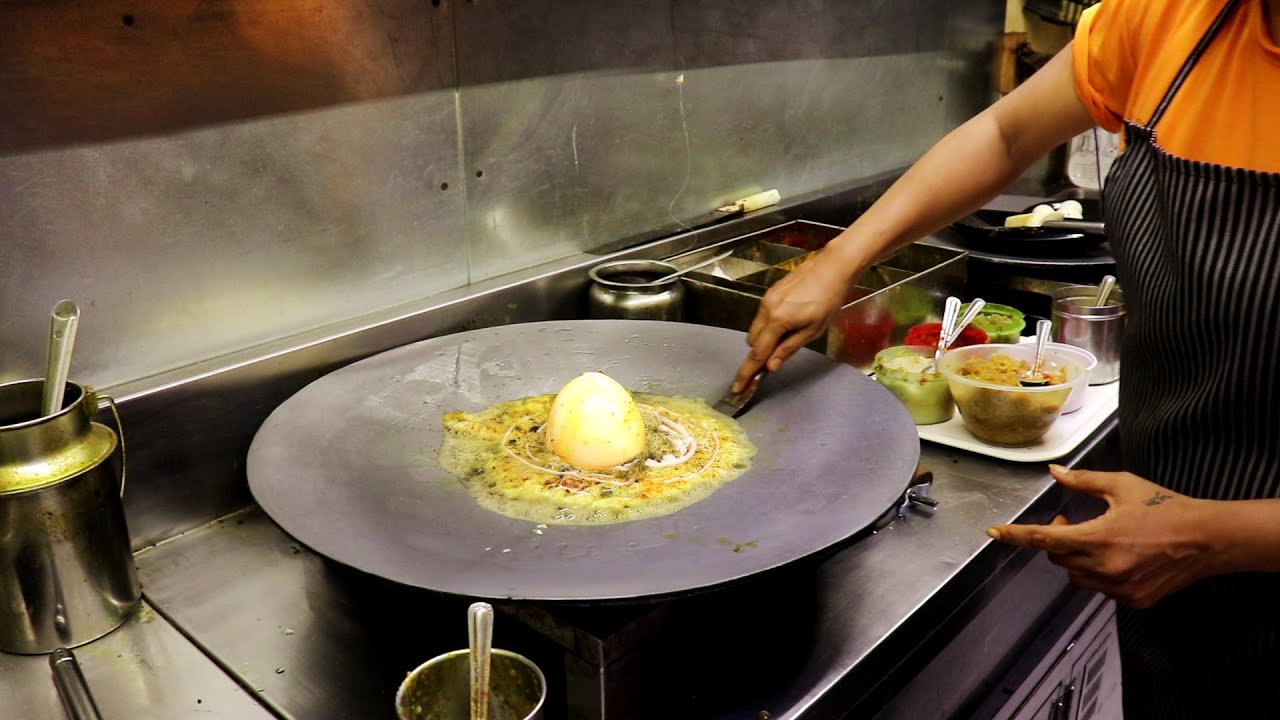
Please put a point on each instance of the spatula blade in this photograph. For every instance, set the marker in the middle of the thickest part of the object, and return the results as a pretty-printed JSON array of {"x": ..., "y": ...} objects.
[{"x": 734, "y": 404}]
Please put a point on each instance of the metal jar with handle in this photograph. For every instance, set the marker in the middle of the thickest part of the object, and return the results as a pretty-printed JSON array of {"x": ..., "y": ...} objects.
[{"x": 66, "y": 571}]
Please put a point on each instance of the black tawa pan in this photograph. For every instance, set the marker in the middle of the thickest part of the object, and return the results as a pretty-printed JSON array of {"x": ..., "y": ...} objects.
[
  {"x": 984, "y": 230},
  {"x": 347, "y": 465}
]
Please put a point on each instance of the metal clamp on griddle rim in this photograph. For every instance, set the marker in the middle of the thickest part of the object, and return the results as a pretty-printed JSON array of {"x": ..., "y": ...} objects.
[{"x": 916, "y": 496}]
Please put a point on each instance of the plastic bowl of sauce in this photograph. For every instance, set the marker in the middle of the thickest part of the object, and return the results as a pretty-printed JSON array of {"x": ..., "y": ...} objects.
[
  {"x": 994, "y": 406},
  {"x": 904, "y": 371}
]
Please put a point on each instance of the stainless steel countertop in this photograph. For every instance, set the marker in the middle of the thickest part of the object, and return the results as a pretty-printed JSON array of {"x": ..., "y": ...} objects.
[
  {"x": 314, "y": 640},
  {"x": 144, "y": 669}
]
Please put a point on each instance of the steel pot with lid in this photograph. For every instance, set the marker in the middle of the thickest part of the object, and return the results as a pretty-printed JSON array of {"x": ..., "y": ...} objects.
[{"x": 66, "y": 571}]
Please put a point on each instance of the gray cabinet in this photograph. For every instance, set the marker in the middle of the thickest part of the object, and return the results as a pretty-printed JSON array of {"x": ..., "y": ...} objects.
[
  {"x": 1051, "y": 696},
  {"x": 1079, "y": 678},
  {"x": 1095, "y": 674}
]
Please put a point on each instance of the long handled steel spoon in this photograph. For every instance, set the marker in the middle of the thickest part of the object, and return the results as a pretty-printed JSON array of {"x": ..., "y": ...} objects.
[
  {"x": 1104, "y": 290},
  {"x": 62, "y": 337},
  {"x": 480, "y": 635},
  {"x": 682, "y": 271},
  {"x": 1035, "y": 377},
  {"x": 950, "y": 315}
]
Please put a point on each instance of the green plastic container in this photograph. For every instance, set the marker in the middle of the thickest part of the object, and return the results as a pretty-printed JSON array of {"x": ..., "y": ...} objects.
[
  {"x": 1001, "y": 323},
  {"x": 926, "y": 395}
]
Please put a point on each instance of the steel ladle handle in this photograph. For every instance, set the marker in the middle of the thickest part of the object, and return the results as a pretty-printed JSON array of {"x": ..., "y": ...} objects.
[
  {"x": 62, "y": 337},
  {"x": 1104, "y": 290},
  {"x": 975, "y": 307},
  {"x": 1042, "y": 338},
  {"x": 72, "y": 688},
  {"x": 480, "y": 635},
  {"x": 696, "y": 266},
  {"x": 950, "y": 313}
]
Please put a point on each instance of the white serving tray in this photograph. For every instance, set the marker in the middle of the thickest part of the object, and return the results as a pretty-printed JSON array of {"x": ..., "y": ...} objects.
[{"x": 1066, "y": 433}]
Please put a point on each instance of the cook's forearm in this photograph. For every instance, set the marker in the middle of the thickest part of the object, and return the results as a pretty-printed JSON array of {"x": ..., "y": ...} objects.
[{"x": 1245, "y": 534}]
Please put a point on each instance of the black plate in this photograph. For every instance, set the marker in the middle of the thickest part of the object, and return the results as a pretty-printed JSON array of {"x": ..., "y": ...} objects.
[{"x": 985, "y": 230}]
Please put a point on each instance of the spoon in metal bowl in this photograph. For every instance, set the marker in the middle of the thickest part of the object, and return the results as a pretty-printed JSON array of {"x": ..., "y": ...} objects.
[
  {"x": 682, "y": 271},
  {"x": 480, "y": 635},
  {"x": 1104, "y": 290},
  {"x": 1035, "y": 377},
  {"x": 62, "y": 338}
]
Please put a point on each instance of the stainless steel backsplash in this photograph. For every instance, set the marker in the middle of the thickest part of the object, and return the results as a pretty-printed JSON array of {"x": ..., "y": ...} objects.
[
  {"x": 244, "y": 196},
  {"x": 203, "y": 177}
]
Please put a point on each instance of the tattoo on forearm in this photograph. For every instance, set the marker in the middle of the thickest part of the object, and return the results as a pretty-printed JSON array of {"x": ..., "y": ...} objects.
[{"x": 1158, "y": 498}]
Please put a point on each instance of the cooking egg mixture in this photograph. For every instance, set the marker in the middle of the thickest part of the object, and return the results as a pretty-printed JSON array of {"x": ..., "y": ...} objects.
[{"x": 593, "y": 454}]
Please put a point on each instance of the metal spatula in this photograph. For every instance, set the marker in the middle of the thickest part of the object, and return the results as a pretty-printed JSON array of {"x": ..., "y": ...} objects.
[{"x": 734, "y": 404}]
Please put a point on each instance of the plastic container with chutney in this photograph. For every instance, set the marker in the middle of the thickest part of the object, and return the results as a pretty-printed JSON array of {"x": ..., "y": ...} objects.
[
  {"x": 903, "y": 370},
  {"x": 1001, "y": 323}
]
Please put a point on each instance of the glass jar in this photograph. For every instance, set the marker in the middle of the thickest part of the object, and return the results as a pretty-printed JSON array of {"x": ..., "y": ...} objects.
[{"x": 926, "y": 394}]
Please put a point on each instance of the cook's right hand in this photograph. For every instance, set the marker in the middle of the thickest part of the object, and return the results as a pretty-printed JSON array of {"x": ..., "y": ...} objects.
[{"x": 792, "y": 313}]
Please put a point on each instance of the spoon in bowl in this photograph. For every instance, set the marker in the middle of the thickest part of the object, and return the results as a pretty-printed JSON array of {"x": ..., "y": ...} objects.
[
  {"x": 480, "y": 634},
  {"x": 975, "y": 307},
  {"x": 62, "y": 337},
  {"x": 1104, "y": 290},
  {"x": 682, "y": 271},
  {"x": 1035, "y": 377},
  {"x": 952, "y": 327},
  {"x": 950, "y": 311}
]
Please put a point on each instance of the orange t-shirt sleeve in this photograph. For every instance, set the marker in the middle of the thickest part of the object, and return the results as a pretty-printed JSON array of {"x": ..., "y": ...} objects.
[
  {"x": 1126, "y": 54},
  {"x": 1104, "y": 60}
]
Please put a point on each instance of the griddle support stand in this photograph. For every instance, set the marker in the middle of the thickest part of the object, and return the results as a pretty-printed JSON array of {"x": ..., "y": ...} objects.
[{"x": 916, "y": 497}]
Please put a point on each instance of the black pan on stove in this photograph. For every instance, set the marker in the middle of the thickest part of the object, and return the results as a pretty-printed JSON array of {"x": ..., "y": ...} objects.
[
  {"x": 347, "y": 465},
  {"x": 984, "y": 230}
]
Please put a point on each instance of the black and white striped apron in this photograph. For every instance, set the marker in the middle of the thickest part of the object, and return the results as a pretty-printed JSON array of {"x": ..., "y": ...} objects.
[{"x": 1197, "y": 247}]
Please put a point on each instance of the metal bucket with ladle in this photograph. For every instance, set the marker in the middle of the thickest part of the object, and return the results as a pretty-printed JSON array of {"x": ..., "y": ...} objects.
[
  {"x": 66, "y": 571},
  {"x": 480, "y": 683}
]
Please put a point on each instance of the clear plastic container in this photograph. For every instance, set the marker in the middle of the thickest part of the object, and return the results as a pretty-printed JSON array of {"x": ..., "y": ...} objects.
[
  {"x": 1075, "y": 401},
  {"x": 1008, "y": 415},
  {"x": 926, "y": 395}
]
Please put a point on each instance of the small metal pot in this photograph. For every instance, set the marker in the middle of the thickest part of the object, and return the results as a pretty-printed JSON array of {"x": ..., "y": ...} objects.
[
  {"x": 440, "y": 688},
  {"x": 1099, "y": 330},
  {"x": 66, "y": 571},
  {"x": 619, "y": 290}
]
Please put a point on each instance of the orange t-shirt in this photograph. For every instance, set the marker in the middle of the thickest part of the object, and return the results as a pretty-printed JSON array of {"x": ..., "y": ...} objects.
[{"x": 1127, "y": 52}]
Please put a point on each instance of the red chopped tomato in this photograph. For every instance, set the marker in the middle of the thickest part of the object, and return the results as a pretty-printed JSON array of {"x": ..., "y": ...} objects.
[{"x": 927, "y": 334}]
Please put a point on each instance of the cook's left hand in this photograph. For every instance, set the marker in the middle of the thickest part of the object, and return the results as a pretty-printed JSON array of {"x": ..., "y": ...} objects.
[{"x": 1149, "y": 543}]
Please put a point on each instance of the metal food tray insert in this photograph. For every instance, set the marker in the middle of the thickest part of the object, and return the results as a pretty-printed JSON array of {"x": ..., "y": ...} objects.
[{"x": 901, "y": 290}]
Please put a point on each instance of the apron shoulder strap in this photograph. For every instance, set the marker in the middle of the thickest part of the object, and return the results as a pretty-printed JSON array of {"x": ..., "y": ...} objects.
[{"x": 1191, "y": 61}]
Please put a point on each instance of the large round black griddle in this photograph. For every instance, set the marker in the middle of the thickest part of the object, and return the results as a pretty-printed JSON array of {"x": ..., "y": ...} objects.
[{"x": 347, "y": 465}]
